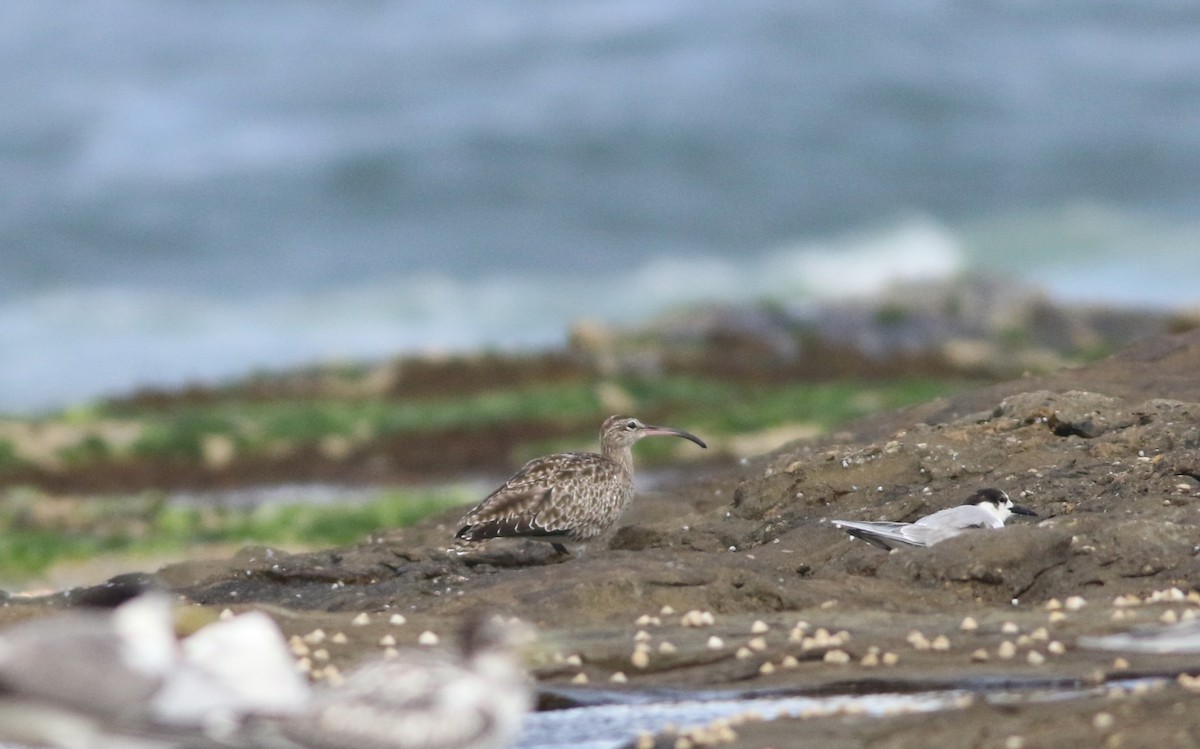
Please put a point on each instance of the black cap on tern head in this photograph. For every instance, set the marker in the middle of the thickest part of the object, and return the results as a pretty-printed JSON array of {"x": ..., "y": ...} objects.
[{"x": 999, "y": 499}]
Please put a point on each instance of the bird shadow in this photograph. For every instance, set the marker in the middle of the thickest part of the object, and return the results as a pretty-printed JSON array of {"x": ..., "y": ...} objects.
[{"x": 511, "y": 553}]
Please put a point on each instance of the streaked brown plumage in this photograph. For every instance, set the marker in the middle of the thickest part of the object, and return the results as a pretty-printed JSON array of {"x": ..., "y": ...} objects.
[{"x": 567, "y": 499}]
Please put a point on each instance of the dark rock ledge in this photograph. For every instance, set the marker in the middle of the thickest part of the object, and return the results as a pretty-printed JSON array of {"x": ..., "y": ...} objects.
[{"x": 1109, "y": 455}]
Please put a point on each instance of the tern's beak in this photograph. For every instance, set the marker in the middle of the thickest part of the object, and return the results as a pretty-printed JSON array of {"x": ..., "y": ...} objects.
[
  {"x": 1019, "y": 510},
  {"x": 651, "y": 431}
]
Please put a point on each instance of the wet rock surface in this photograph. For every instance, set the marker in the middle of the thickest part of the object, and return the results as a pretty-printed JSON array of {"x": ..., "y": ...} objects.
[{"x": 737, "y": 579}]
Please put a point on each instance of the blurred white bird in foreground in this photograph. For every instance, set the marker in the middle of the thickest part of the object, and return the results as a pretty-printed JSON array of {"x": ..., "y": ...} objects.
[
  {"x": 91, "y": 678},
  {"x": 424, "y": 699},
  {"x": 119, "y": 679}
]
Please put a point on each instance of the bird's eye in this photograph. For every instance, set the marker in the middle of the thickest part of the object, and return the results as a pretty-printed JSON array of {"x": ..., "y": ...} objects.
[{"x": 632, "y": 425}]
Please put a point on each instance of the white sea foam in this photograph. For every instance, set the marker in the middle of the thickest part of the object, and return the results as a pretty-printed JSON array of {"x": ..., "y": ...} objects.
[
  {"x": 858, "y": 264},
  {"x": 63, "y": 346},
  {"x": 866, "y": 263},
  {"x": 1093, "y": 253}
]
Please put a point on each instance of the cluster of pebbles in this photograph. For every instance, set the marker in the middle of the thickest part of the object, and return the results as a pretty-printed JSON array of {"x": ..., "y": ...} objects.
[
  {"x": 314, "y": 656},
  {"x": 818, "y": 649},
  {"x": 666, "y": 642}
]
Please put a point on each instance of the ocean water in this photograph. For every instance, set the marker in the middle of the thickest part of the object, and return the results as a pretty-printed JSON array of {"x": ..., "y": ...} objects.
[
  {"x": 609, "y": 726},
  {"x": 191, "y": 191}
]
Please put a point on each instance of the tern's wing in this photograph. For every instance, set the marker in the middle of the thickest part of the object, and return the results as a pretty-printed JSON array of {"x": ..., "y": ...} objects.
[
  {"x": 960, "y": 518},
  {"x": 886, "y": 535}
]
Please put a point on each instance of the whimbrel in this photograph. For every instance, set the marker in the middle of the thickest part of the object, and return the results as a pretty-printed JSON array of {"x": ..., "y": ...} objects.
[
  {"x": 424, "y": 699},
  {"x": 567, "y": 499},
  {"x": 986, "y": 508}
]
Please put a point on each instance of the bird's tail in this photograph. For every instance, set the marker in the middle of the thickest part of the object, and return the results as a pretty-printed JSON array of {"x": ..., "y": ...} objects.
[{"x": 463, "y": 546}]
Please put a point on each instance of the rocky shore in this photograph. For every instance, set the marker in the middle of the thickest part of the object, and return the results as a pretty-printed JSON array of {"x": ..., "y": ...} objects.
[
  {"x": 438, "y": 417},
  {"x": 733, "y": 577}
]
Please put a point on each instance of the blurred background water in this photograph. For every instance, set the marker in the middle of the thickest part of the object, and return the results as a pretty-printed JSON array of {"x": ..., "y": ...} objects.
[{"x": 194, "y": 190}]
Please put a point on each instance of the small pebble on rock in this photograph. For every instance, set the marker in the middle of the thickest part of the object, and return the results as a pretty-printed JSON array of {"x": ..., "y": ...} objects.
[{"x": 428, "y": 638}]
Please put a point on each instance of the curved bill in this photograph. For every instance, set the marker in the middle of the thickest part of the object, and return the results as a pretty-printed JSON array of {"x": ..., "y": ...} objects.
[{"x": 651, "y": 431}]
